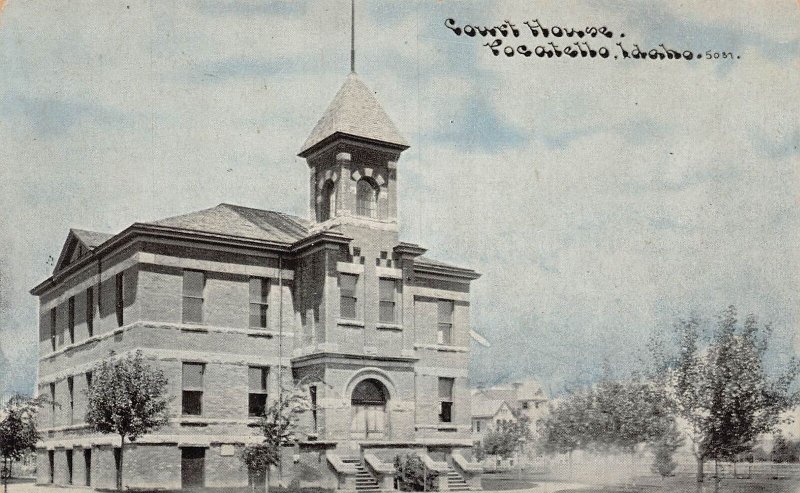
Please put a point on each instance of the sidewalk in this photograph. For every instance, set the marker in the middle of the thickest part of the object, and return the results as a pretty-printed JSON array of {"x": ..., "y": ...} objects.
[
  {"x": 550, "y": 487},
  {"x": 32, "y": 488}
]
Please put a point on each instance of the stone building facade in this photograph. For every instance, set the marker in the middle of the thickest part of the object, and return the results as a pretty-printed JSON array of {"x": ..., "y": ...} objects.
[{"x": 232, "y": 302}]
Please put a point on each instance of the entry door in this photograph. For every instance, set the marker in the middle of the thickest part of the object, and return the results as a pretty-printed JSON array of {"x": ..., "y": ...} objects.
[
  {"x": 193, "y": 467},
  {"x": 369, "y": 421}
]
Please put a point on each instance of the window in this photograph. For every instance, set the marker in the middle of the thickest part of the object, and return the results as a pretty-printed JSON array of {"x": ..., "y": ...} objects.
[
  {"x": 312, "y": 394},
  {"x": 119, "y": 291},
  {"x": 386, "y": 292},
  {"x": 446, "y": 400},
  {"x": 88, "y": 380},
  {"x": 53, "y": 328},
  {"x": 257, "y": 377},
  {"x": 366, "y": 198},
  {"x": 478, "y": 425},
  {"x": 87, "y": 460},
  {"x": 348, "y": 298},
  {"x": 69, "y": 465},
  {"x": 525, "y": 405},
  {"x": 53, "y": 404},
  {"x": 193, "y": 389},
  {"x": 259, "y": 294},
  {"x": 445, "y": 329},
  {"x": 194, "y": 283},
  {"x": 71, "y": 319},
  {"x": 71, "y": 396},
  {"x": 90, "y": 311},
  {"x": 327, "y": 204},
  {"x": 52, "y": 464}
]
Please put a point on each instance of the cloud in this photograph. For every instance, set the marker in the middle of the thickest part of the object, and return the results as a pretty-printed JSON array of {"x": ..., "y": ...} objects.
[
  {"x": 51, "y": 117},
  {"x": 248, "y": 8}
]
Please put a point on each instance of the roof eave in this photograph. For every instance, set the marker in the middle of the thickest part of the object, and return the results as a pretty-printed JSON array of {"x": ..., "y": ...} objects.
[
  {"x": 447, "y": 271},
  {"x": 311, "y": 149},
  {"x": 139, "y": 230}
]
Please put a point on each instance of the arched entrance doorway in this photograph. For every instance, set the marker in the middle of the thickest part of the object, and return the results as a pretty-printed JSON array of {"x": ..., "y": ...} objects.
[{"x": 368, "y": 403}]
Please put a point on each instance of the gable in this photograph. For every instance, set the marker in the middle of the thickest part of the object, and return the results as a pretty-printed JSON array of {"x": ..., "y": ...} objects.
[{"x": 79, "y": 243}]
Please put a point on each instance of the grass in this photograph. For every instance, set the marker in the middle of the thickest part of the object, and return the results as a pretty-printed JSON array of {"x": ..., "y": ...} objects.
[
  {"x": 505, "y": 481},
  {"x": 687, "y": 484}
]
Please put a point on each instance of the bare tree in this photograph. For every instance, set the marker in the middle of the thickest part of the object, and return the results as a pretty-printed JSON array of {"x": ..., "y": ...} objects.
[{"x": 279, "y": 425}]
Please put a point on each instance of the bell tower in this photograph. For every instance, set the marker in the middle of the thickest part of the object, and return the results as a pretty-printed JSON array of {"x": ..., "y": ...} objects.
[{"x": 352, "y": 156}]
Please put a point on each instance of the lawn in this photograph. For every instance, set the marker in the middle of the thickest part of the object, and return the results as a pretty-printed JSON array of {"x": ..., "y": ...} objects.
[
  {"x": 689, "y": 485},
  {"x": 506, "y": 481}
]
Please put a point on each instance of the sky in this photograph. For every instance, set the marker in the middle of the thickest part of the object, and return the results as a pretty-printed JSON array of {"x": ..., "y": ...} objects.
[{"x": 601, "y": 199}]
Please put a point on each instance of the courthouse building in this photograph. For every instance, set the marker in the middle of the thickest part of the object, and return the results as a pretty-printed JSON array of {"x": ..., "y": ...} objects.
[{"x": 230, "y": 299}]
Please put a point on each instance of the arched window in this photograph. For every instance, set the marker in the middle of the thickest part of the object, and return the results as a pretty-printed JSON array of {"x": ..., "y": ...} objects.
[
  {"x": 369, "y": 392},
  {"x": 366, "y": 198},
  {"x": 327, "y": 204},
  {"x": 369, "y": 410}
]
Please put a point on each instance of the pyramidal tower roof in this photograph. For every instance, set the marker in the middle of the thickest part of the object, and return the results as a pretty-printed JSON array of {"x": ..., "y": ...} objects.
[{"x": 354, "y": 112}]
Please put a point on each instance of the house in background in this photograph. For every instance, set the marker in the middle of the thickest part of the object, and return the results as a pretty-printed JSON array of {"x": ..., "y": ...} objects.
[
  {"x": 233, "y": 303},
  {"x": 493, "y": 406}
]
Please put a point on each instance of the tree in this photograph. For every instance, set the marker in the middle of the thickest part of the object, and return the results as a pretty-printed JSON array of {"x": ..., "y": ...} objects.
[
  {"x": 128, "y": 398},
  {"x": 18, "y": 433},
  {"x": 784, "y": 451},
  {"x": 663, "y": 450},
  {"x": 279, "y": 425},
  {"x": 508, "y": 436},
  {"x": 610, "y": 415},
  {"x": 722, "y": 390}
]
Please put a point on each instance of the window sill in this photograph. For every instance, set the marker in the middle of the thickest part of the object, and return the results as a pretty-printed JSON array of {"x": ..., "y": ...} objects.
[
  {"x": 260, "y": 332},
  {"x": 193, "y": 328},
  {"x": 389, "y": 326},
  {"x": 443, "y": 347},
  {"x": 351, "y": 323}
]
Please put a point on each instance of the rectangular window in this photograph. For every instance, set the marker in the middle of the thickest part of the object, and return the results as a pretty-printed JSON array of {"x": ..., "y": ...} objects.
[
  {"x": 88, "y": 380},
  {"x": 446, "y": 400},
  {"x": 90, "y": 310},
  {"x": 51, "y": 462},
  {"x": 257, "y": 377},
  {"x": 478, "y": 425},
  {"x": 87, "y": 461},
  {"x": 312, "y": 392},
  {"x": 348, "y": 298},
  {"x": 71, "y": 319},
  {"x": 119, "y": 291},
  {"x": 71, "y": 396},
  {"x": 53, "y": 328},
  {"x": 69, "y": 466},
  {"x": 445, "y": 328},
  {"x": 192, "y": 404},
  {"x": 53, "y": 404},
  {"x": 386, "y": 292},
  {"x": 259, "y": 295},
  {"x": 194, "y": 283}
]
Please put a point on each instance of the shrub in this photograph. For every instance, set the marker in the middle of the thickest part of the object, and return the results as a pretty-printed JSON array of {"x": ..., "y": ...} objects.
[{"x": 411, "y": 474}]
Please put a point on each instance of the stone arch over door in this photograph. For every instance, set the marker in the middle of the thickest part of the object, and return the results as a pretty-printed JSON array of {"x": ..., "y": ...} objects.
[{"x": 369, "y": 393}]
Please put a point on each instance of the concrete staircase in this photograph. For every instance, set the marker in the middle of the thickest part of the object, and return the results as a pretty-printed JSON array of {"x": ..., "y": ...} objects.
[
  {"x": 455, "y": 482},
  {"x": 365, "y": 482}
]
